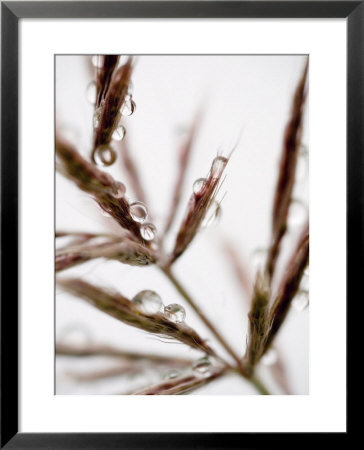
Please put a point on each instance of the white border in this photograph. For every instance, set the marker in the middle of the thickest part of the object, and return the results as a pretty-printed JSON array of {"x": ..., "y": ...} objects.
[{"x": 324, "y": 408}]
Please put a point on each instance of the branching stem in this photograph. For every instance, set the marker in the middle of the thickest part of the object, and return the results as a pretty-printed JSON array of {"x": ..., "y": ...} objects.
[{"x": 240, "y": 367}]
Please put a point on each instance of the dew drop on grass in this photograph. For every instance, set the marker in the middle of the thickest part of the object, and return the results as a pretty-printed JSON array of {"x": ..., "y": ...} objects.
[
  {"x": 119, "y": 190},
  {"x": 172, "y": 374},
  {"x": 104, "y": 156},
  {"x": 138, "y": 212},
  {"x": 301, "y": 301},
  {"x": 202, "y": 367},
  {"x": 119, "y": 133},
  {"x": 218, "y": 165},
  {"x": 212, "y": 215},
  {"x": 97, "y": 61},
  {"x": 297, "y": 214},
  {"x": 270, "y": 357},
  {"x": 91, "y": 92},
  {"x": 175, "y": 313},
  {"x": 198, "y": 185},
  {"x": 128, "y": 107},
  {"x": 148, "y": 302},
  {"x": 148, "y": 231}
]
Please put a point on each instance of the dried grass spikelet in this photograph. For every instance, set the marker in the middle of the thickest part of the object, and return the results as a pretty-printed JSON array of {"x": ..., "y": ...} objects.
[
  {"x": 63, "y": 349},
  {"x": 259, "y": 324},
  {"x": 97, "y": 183},
  {"x": 109, "y": 110},
  {"x": 121, "y": 308},
  {"x": 289, "y": 285},
  {"x": 182, "y": 385},
  {"x": 125, "y": 250},
  {"x": 287, "y": 170},
  {"x": 198, "y": 207},
  {"x": 104, "y": 74}
]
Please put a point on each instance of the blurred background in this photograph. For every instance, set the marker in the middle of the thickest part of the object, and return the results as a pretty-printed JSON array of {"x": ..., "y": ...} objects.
[{"x": 245, "y": 103}]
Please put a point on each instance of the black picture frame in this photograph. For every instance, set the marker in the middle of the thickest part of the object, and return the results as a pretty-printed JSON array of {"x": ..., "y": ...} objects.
[{"x": 11, "y": 12}]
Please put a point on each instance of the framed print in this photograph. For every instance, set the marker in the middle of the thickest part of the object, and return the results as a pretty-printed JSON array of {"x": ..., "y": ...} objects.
[{"x": 180, "y": 219}]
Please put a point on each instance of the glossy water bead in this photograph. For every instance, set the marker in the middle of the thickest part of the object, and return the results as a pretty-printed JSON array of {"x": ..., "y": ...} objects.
[
  {"x": 202, "y": 366},
  {"x": 119, "y": 190},
  {"x": 91, "y": 92},
  {"x": 128, "y": 106},
  {"x": 148, "y": 302},
  {"x": 198, "y": 185},
  {"x": 212, "y": 215},
  {"x": 297, "y": 214},
  {"x": 138, "y": 212},
  {"x": 172, "y": 374},
  {"x": 148, "y": 231},
  {"x": 301, "y": 301},
  {"x": 175, "y": 313},
  {"x": 119, "y": 133},
  {"x": 218, "y": 165},
  {"x": 97, "y": 61},
  {"x": 104, "y": 156}
]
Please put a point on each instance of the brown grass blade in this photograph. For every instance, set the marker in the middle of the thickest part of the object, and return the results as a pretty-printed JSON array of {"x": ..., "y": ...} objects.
[
  {"x": 109, "y": 115},
  {"x": 107, "y": 350},
  {"x": 182, "y": 385},
  {"x": 124, "y": 251},
  {"x": 104, "y": 75},
  {"x": 286, "y": 178},
  {"x": 198, "y": 207},
  {"x": 99, "y": 184},
  {"x": 289, "y": 286},
  {"x": 121, "y": 308},
  {"x": 258, "y": 323}
]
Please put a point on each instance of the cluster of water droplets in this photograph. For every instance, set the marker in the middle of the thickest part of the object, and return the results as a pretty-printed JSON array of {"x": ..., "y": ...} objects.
[
  {"x": 139, "y": 213},
  {"x": 149, "y": 302}
]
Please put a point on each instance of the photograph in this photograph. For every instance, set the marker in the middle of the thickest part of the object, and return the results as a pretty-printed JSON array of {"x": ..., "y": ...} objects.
[{"x": 181, "y": 224}]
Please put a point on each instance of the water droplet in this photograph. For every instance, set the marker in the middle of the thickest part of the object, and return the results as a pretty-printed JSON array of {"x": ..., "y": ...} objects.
[
  {"x": 202, "y": 367},
  {"x": 96, "y": 117},
  {"x": 172, "y": 374},
  {"x": 104, "y": 156},
  {"x": 148, "y": 302},
  {"x": 270, "y": 357},
  {"x": 297, "y": 214},
  {"x": 175, "y": 313},
  {"x": 148, "y": 231},
  {"x": 123, "y": 59},
  {"x": 138, "y": 212},
  {"x": 119, "y": 133},
  {"x": 128, "y": 107},
  {"x": 301, "y": 169},
  {"x": 198, "y": 185},
  {"x": 212, "y": 214},
  {"x": 118, "y": 191},
  {"x": 97, "y": 61},
  {"x": 259, "y": 257},
  {"x": 301, "y": 301},
  {"x": 218, "y": 165},
  {"x": 91, "y": 92}
]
